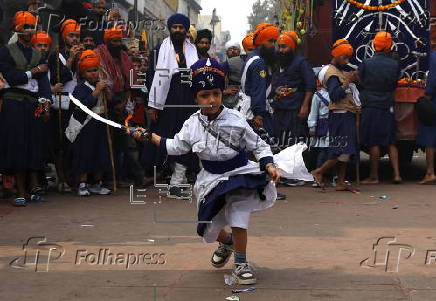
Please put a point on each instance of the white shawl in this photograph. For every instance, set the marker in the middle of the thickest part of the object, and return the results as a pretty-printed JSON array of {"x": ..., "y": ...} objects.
[{"x": 166, "y": 67}]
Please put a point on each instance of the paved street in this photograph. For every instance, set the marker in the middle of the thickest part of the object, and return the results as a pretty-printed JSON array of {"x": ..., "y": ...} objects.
[{"x": 311, "y": 246}]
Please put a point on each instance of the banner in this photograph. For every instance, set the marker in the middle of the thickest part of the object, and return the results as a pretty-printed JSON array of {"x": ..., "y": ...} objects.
[{"x": 407, "y": 20}]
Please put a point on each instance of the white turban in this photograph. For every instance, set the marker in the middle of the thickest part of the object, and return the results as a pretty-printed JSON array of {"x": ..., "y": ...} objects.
[{"x": 232, "y": 44}]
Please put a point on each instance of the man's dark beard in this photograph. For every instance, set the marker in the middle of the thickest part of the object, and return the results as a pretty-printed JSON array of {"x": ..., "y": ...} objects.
[
  {"x": 177, "y": 37},
  {"x": 268, "y": 55},
  {"x": 285, "y": 59},
  {"x": 115, "y": 51}
]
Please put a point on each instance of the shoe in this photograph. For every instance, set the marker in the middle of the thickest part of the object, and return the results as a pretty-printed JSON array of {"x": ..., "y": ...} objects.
[
  {"x": 83, "y": 190},
  {"x": 99, "y": 189},
  {"x": 221, "y": 255},
  {"x": 281, "y": 196},
  {"x": 36, "y": 198},
  {"x": 37, "y": 190},
  {"x": 244, "y": 273},
  {"x": 177, "y": 193},
  {"x": 293, "y": 183},
  {"x": 315, "y": 185},
  {"x": 64, "y": 188},
  {"x": 19, "y": 202}
]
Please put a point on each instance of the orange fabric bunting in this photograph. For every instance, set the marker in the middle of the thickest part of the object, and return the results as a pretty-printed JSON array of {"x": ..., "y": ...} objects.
[
  {"x": 88, "y": 59},
  {"x": 21, "y": 18},
  {"x": 41, "y": 37},
  {"x": 68, "y": 26},
  {"x": 247, "y": 42},
  {"x": 113, "y": 33},
  {"x": 289, "y": 38},
  {"x": 265, "y": 32},
  {"x": 382, "y": 41},
  {"x": 342, "y": 47}
]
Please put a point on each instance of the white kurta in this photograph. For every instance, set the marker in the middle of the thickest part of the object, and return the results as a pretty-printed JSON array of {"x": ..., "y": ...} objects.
[{"x": 233, "y": 127}]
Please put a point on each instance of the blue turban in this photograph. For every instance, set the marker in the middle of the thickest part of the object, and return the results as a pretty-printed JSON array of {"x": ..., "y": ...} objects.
[
  {"x": 179, "y": 19},
  {"x": 207, "y": 75}
]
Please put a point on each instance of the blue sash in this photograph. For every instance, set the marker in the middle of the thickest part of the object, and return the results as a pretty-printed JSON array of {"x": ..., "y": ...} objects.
[{"x": 220, "y": 167}]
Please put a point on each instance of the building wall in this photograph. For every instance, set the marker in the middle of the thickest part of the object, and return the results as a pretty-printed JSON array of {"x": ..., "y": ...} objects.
[{"x": 317, "y": 47}]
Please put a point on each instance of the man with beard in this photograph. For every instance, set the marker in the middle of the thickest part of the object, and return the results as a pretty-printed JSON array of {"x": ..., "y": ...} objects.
[
  {"x": 256, "y": 77},
  {"x": 63, "y": 77},
  {"x": 115, "y": 63},
  {"x": 293, "y": 86},
  {"x": 170, "y": 91},
  {"x": 115, "y": 69},
  {"x": 87, "y": 38},
  {"x": 232, "y": 49},
  {"x": 41, "y": 41},
  {"x": 203, "y": 42},
  {"x": 21, "y": 123}
]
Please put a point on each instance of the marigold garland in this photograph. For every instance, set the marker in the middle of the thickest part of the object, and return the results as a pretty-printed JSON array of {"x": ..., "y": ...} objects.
[{"x": 377, "y": 8}]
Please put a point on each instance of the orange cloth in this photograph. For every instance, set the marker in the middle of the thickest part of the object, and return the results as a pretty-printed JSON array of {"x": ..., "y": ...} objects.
[
  {"x": 68, "y": 26},
  {"x": 265, "y": 32},
  {"x": 21, "y": 18},
  {"x": 113, "y": 33},
  {"x": 289, "y": 38},
  {"x": 88, "y": 59},
  {"x": 342, "y": 47},
  {"x": 41, "y": 37},
  {"x": 382, "y": 41},
  {"x": 247, "y": 42}
]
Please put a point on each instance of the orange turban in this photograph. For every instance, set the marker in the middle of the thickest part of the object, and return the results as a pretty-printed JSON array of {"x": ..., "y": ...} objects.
[
  {"x": 68, "y": 26},
  {"x": 382, "y": 41},
  {"x": 342, "y": 47},
  {"x": 40, "y": 37},
  {"x": 88, "y": 59},
  {"x": 265, "y": 32},
  {"x": 247, "y": 42},
  {"x": 21, "y": 18},
  {"x": 289, "y": 38},
  {"x": 113, "y": 33}
]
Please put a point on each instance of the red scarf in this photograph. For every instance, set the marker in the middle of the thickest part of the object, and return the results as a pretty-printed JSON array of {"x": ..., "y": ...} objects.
[{"x": 118, "y": 74}]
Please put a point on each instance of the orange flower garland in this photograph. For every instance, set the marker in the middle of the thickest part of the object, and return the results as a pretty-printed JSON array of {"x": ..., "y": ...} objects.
[{"x": 378, "y": 8}]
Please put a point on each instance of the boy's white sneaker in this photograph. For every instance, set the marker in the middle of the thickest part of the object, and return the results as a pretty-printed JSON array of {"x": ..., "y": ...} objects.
[
  {"x": 221, "y": 255},
  {"x": 243, "y": 272}
]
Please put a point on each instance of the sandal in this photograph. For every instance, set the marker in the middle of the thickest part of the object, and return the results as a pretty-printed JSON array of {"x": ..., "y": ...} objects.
[{"x": 19, "y": 202}]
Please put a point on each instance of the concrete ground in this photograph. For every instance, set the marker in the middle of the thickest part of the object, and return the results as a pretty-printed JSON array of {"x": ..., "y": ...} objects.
[{"x": 311, "y": 246}]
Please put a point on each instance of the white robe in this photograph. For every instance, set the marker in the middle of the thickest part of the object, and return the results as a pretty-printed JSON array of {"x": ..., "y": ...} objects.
[{"x": 233, "y": 127}]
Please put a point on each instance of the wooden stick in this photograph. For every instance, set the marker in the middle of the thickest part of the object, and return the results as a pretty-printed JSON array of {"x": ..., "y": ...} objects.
[
  {"x": 358, "y": 148},
  {"x": 109, "y": 142}
]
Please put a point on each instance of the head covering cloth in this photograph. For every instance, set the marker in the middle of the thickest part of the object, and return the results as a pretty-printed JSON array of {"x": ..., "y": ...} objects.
[
  {"x": 41, "y": 37},
  {"x": 342, "y": 47},
  {"x": 289, "y": 38},
  {"x": 179, "y": 19},
  {"x": 112, "y": 33},
  {"x": 22, "y": 18},
  {"x": 382, "y": 41},
  {"x": 193, "y": 32},
  {"x": 204, "y": 33},
  {"x": 247, "y": 42},
  {"x": 88, "y": 59},
  {"x": 207, "y": 75},
  {"x": 68, "y": 26},
  {"x": 265, "y": 32}
]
